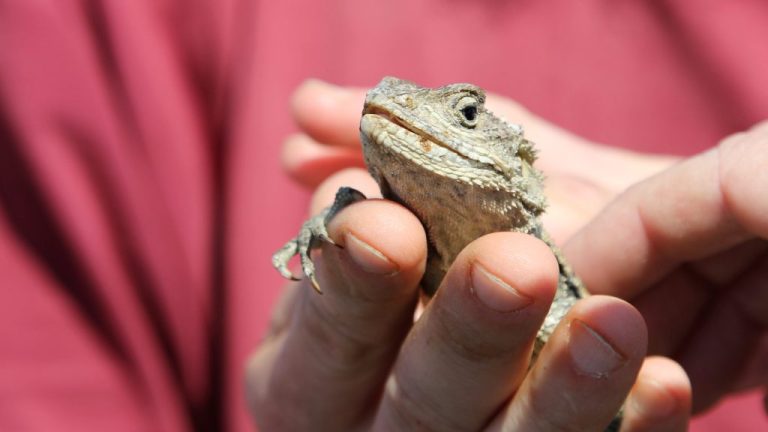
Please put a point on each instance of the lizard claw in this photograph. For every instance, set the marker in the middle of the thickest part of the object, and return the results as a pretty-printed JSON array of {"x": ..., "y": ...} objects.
[
  {"x": 315, "y": 285},
  {"x": 282, "y": 256},
  {"x": 312, "y": 232}
]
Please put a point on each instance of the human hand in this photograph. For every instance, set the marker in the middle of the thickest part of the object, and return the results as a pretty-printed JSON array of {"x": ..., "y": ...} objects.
[
  {"x": 579, "y": 186},
  {"x": 354, "y": 359},
  {"x": 459, "y": 365},
  {"x": 688, "y": 247}
]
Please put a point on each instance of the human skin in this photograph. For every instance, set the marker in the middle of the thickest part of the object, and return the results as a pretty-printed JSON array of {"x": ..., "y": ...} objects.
[
  {"x": 683, "y": 240},
  {"x": 354, "y": 358},
  {"x": 688, "y": 247}
]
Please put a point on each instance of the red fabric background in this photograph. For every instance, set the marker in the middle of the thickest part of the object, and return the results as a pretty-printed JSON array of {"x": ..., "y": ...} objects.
[{"x": 140, "y": 190}]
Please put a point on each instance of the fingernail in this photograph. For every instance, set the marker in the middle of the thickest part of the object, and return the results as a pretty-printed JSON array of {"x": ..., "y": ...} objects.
[
  {"x": 652, "y": 400},
  {"x": 591, "y": 353},
  {"x": 367, "y": 257},
  {"x": 495, "y": 293}
]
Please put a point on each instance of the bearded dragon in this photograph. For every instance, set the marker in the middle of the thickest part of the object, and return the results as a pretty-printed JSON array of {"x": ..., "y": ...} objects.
[{"x": 463, "y": 171}]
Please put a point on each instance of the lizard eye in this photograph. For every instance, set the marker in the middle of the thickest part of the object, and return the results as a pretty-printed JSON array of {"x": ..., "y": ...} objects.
[{"x": 467, "y": 110}]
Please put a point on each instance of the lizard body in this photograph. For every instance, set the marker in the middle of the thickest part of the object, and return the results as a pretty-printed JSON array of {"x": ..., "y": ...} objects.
[{"x": 462, "y": 171}]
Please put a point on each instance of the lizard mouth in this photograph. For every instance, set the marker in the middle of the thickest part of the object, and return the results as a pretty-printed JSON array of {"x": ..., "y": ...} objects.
[
  {"x": 385, "y": 119},
  {"x": 392, "y": 118}
]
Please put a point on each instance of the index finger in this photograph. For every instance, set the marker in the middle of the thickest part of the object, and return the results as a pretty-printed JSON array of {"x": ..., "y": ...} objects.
[
  {"x": 329, "y": 114},
  {"x": 702, "y": 206}
]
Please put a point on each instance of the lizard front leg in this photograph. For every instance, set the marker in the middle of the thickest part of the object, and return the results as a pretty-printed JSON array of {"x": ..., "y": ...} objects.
[{"x": 311, "y": 233}]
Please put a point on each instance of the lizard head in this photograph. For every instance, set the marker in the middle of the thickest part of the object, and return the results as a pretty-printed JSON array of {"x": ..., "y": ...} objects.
[{"x": 449, "y": 132}]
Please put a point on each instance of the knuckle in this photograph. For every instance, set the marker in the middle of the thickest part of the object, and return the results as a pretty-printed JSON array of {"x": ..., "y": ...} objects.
[
  {"x": 331, "y": 335},
  {"x": 263, "y": 407},
  {"x": 742, "y": 147},
  {"x": 741, "y": 159},
  {"x": 549, "y": 418}
]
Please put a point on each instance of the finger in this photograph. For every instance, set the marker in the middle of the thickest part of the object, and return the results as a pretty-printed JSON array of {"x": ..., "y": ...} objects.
[
  {"x": 698, "y": 208},
  {"x": 472, "y": 344},
  {"x": 583, "y": 373},
  {"x": 616, "y": 168},
  {"x": 283, "y": 311},
  {"x": 309, "y": 162},
  {"x": 571, "y": 189},
  {"x": 329, "y": 114},
  {"x": 694, "y": 285},
  {"x": 352, "y": 177},
  {"x": 719, "y": 350},
  {"x": 335, "y": 354},
  {"x": 744, "y": 178},
  {"x": 660, "y": 399},
  {"x": 573, "y": 201},
  {"x": 671, "y": 309}
]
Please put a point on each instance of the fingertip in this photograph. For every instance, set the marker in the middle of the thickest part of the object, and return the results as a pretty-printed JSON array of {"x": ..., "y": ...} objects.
[
  {"x": 293, "y": 151},
  {"x": 495, "y": 293},
  {"x": 607, "y": 338},
  {"x": 584, "y": 371},
  {"x": 309, "y": 162},
  {"x": 328, "y": 113},
  {"x": 381, "y": 238},
  {"x": 368, "y": 257},
  {"x": 662, "y": 389},
  {"x": 660, "y": 399},
  {"x": 314, "y": 93},
  {"x": 618, "y": 322},
  {"x": 523, "y": 265},
  {"x": 593, "y": 354}
]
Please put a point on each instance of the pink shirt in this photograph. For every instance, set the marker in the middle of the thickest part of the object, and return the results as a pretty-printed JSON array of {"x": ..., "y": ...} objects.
[{"x": 140, "y": 190}]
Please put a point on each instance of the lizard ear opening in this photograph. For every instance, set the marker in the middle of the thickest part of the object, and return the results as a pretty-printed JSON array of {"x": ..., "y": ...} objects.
[{"x": 526, "y": 151}]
